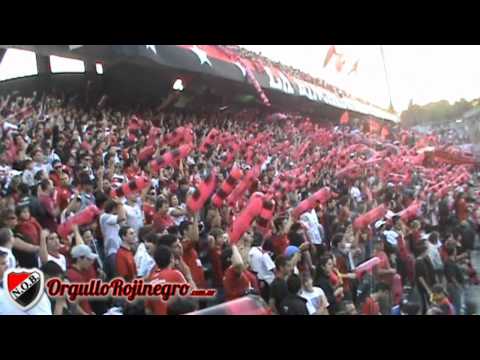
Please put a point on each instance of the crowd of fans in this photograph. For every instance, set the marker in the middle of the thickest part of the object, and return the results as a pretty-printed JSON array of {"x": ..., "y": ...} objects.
[{"x": 58, "y": 158}]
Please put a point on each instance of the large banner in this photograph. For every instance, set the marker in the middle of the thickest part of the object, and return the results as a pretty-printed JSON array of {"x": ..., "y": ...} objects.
[{"x": 213, "y": 60}]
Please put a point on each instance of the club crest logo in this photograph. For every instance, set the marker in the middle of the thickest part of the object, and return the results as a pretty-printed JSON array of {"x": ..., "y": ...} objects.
[{"x": 25, "y": 286}]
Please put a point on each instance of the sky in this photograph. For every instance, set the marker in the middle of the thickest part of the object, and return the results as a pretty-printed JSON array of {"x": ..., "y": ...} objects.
[{"x": 422, "y": 73}]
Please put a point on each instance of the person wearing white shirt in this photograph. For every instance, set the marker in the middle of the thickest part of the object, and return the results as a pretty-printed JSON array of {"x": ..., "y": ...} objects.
[
  {"x": 177, "y": 211},
  {"x": 133, "y": 210},
  {"x": 355, "y": 193},
  {"x": 262, "y": 265},
  {"x": 6, "y": 245},
  {"x": 317, "y": 302},
  {"x": 314, "y": 228},
  {"x": 110, "y": 222}
]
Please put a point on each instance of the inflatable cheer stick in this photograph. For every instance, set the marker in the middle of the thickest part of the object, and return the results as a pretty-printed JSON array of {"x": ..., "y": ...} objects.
[
  {"x": 146, "y": 153},
  {"x": 320, "y": 197},
  {"x": 227, "y": 186},
  {"x": 202, "y": 193},
  {"x": 367, "y": 266},
  {"x": 265, "y": 216},
  {"x": 369, "y": 217},
  {"x": 170, "y": 158},
  {"x": 209, "y": 140},
  {"x": 243, "y": 222},
  {"x": 86, "y": 216},
  {"x": 136, "y": 185},
  {"x": 411, "y": 212}
]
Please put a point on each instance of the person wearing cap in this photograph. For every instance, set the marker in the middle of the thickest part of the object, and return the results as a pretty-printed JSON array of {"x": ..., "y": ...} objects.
[
  {"x": 384, "y": 272},
  {"x": 82, "y": 260}
]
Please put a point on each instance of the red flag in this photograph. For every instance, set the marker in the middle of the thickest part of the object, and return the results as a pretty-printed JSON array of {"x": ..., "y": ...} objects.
[
  {"x": 345, "y": 118},
  {"x": 331, "y": 52}
]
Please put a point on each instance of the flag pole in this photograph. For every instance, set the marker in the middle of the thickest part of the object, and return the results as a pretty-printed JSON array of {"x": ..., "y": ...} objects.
[{"x": 386, "y": 78}]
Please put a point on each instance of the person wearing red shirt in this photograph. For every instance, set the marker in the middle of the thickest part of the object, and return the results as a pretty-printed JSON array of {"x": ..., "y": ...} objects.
[
  {"x": 189, "y": 238},
  {"x": 161, "y": 219},
  {"x": 83, "y": 259},
  {"x": 371, "y": 305},
  {"x": 56, "y": 174},
  {"x": 164, "y": 272},
  {"x": 461, "y": 208},
  {"x": 279, "y": 239},
  {"x": 28, "y": 226},
  {"x": 149, "y": 210},
  {"x": 47, "y": 200},
  {"x": 384, "y": 271},
  {"x": 63, "y": 192},
  {"x": 125, "y": 263},
  {"x": 216, "y": 245},
  {"x": 238, "y": 281}
]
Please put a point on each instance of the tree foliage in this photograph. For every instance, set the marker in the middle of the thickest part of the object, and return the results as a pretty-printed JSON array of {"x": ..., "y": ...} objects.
[{"x": 435, "y": 112}]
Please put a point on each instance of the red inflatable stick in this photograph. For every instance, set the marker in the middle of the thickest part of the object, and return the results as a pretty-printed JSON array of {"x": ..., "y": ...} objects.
[
  {"x": 411, "y": 212},
  {"x": 369, "y": 217},
  {"x": 170, "y": 158},
  {"x": 153, "y": 134},
  {"x": 146, "y": 153},
  {"x": 266, "y": 215},
  {"x": 245, "y": 184},
  {"x": 366, "y": 266},
  {"x": 209, "y": 140},
  {"x": 86, "y": 216},
  {"x": 320, "y": 197},
  {"x": 227, "y": 186},
  {"x": 136, "y": 185},
  {"x": 243, "y": 222},
  {"x": 202, "y": 193}
]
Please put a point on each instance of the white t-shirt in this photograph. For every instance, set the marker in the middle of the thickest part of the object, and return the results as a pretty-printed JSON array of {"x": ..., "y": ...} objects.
[
  {"x": 434, "y": 256},
  {"x": 311, "y": 221},
  {"x": 60, "y": 261},
  {"x": 315, "y": 299},
  {"x": 11, "y": 260},
  {"x": 262, "y": 264},
  {"x": 177, "y": 219},
  {"x": 143, "y": 260},
  {"x": 110, "y": 228},
  {"x": 356, "y": 194},
  {"x": 134, "y": 216},
  {"x": 8, "y": 307}
]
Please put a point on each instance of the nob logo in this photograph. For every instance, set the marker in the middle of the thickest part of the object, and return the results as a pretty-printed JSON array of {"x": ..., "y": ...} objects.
[{"x": 25, "y": 286}]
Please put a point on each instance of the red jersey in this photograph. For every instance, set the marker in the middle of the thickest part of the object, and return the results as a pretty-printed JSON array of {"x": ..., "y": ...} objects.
[
  {"x": 159, "y": 307},
  {"x": 237, "y": 286},
  {"x": 190, "y": 257},
  {"x": 125, "y": 264},
  {"x": 149, "y": 212},
  {"x": 370, "y": 307},
  {"x": 162, "y": 221},
  {"x": 63, "y": 197},
  {"x": 384, "y": 264},
  {"x": 76, "y": 276},
  {"x": 31, "y": 230}
]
